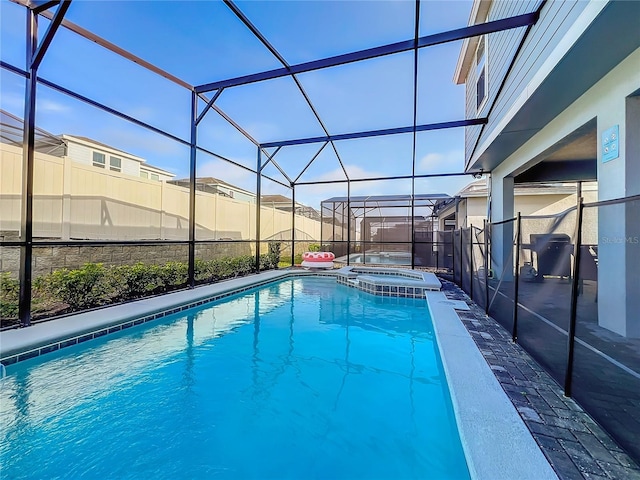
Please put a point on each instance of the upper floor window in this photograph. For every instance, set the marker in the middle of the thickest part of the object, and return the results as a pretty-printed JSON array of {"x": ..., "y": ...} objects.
[
  {"x": 115, "y": 164},
  {"x": 481, "y": 73},
  {"x": 155, "y": 176},
  {"x": 99, "y": 159},
  {"x": 144, "y": 174}
]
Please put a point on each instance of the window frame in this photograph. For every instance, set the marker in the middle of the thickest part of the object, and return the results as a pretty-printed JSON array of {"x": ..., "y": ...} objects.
[
  {"x": 113, "y": 168},
  {"x": 103, "y": 163},
  {"x": 481, "y": 66}
]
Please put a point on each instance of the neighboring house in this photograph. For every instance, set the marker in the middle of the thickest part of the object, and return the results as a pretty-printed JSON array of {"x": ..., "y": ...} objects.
[
  {"x": 469, "y": 206},
  {"x": 90, "y": 152},
  {"x": 218, "y": 187},
  {"x": 284, "y": 203},
  {"x": 563, "y": 105}
]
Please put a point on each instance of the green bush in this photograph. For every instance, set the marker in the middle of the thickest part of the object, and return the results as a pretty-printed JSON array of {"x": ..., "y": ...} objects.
[
  {"x": 83, "y": 288},
  {"x": 9, "y": 296},
  {"x": 274, "y": 254},
  {"x": 137, "y": 280},
  {"x": 174, "y": 274},
  {"x": 94, "y": 284},
  {"x": 314, "y": 247}
]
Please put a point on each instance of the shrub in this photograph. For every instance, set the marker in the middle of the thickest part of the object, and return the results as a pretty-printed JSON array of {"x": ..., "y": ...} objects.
[
  {"x": 138, "y": 280},
  {"x": 174, "y": 274},
  {"x": 93, "y": 284},
  {"x": 314, "y": 247},
  {"x": 274, "y": 254},
  {"x": 9, "y": 296},
  {"x": 83, "y": 288}
]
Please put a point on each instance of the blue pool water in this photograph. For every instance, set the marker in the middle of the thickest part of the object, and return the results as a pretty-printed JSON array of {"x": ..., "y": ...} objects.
[{"x": 301, "y": 379}]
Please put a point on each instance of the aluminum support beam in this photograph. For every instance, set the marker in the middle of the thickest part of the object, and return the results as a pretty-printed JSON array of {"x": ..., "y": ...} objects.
[
  {"x": 378, "y": 133},
  {"x": 192, "y": 191},
  {"x": 398, "y": 47},
  {"x": 50, "y": 33},
  {"x": 400, "y": 177},
  {"x": 310, "y": 162},
  {"x": 41, "y": 5},
  {"x": 209, "y": 105},
  {"x": 258, "y": 206},
  {"x": 28, "y": 155}
]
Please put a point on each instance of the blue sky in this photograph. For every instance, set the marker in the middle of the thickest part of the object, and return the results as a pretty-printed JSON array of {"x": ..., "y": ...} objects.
[{"x": 203, "y": 41}]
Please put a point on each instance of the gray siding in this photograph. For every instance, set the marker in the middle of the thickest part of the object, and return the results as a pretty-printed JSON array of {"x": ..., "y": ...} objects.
[{"x": 555, "y": 19}]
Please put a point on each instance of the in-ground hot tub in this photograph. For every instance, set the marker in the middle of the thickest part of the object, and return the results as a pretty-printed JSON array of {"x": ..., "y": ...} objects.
[{"x": 389, "y": 282}]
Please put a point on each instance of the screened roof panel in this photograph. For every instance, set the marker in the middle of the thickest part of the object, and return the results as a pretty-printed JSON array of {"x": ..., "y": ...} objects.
[
  {"x": 116, "y": 82},
  {"x": 12, "y": 33},
  {"x": 440, "y": 151},
  {"x": 13, "y": 88},
  {"x": 197, "y": 41},
  {"x": 220, "y": 137},
  {"x": 377, "y": 156},
  {"x": 324, "y": 168},
  {"x": 203, "y": 42},
  {"x": 439, "y": 98},
  {"x": 293, "y": 159},
  {"x": 368, "y": 95},
  {"x": 60, "y": 114},
  {"x": 450, "y": 185},
  {"x": 433, "y": 21},
  {"x": 271, "y": 110},
  {"x": 212, "y": 167},
  {"x": 328, "y": 28},
  {"x": 272, "y": 171}
]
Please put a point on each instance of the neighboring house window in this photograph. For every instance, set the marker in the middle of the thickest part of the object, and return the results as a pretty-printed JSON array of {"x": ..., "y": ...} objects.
[
  {"x": 481, "y": 73},
  {"x": 155, "y": 176},
  {"x": 231, "y": 193},
  {"x": 144, "y": 174},
  {"x": 98, "y": 159},
  {"x": 115, "y": 164}
]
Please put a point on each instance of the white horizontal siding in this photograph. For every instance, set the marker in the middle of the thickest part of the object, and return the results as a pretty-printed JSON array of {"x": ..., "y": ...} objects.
[{"x": 80, "y": 153}]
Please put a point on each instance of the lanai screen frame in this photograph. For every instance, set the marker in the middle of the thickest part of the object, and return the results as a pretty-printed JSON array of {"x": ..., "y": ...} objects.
[{"x": 37, "y": 50}]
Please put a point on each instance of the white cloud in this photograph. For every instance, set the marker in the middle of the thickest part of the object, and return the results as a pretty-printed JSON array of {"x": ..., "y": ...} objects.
[
  {"x": 441, "y": 162},
  {"x": 49, "y": 106}
]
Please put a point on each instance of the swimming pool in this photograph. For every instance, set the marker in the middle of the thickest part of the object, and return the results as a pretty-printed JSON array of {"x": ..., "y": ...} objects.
[
  {"x": 378, "y": 258},
  {"x": 303, "y": 378}
]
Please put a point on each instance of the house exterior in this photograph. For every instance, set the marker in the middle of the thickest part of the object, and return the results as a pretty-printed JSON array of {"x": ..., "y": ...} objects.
[
  {"x": 546, "y": 123},
  {"x": 99, "y": 155},
  {"x": 469, "y": 206},
  {"x": 218, "y": 187},
  {"x": 284, "y": 203}
]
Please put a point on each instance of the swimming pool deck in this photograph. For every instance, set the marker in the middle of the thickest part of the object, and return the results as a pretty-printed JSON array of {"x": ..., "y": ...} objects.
[
  {"x": 575, "y": 445},
  {"x": 509, "y": 410}
]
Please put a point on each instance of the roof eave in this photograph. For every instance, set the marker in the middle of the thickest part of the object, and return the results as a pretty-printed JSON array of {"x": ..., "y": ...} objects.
[{"x": 479, "y": 12}]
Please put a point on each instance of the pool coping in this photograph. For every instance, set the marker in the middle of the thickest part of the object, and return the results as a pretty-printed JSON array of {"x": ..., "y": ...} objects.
[
  {"x": 23, "y": 343},
  {"x": 495, "y": 440}
]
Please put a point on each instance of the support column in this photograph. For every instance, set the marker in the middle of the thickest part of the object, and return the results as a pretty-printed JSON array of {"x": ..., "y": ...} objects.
[
  {"x": 26, "y": 216},
  {"x": 293, "y": 224},
  {"x": 258, "y": 206},
  {"x": 192, "y": 192},
  {"x": 618, "y": 226},
  {"x": 502, "y": 208},
  {"x": 618, "y": 230}
]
